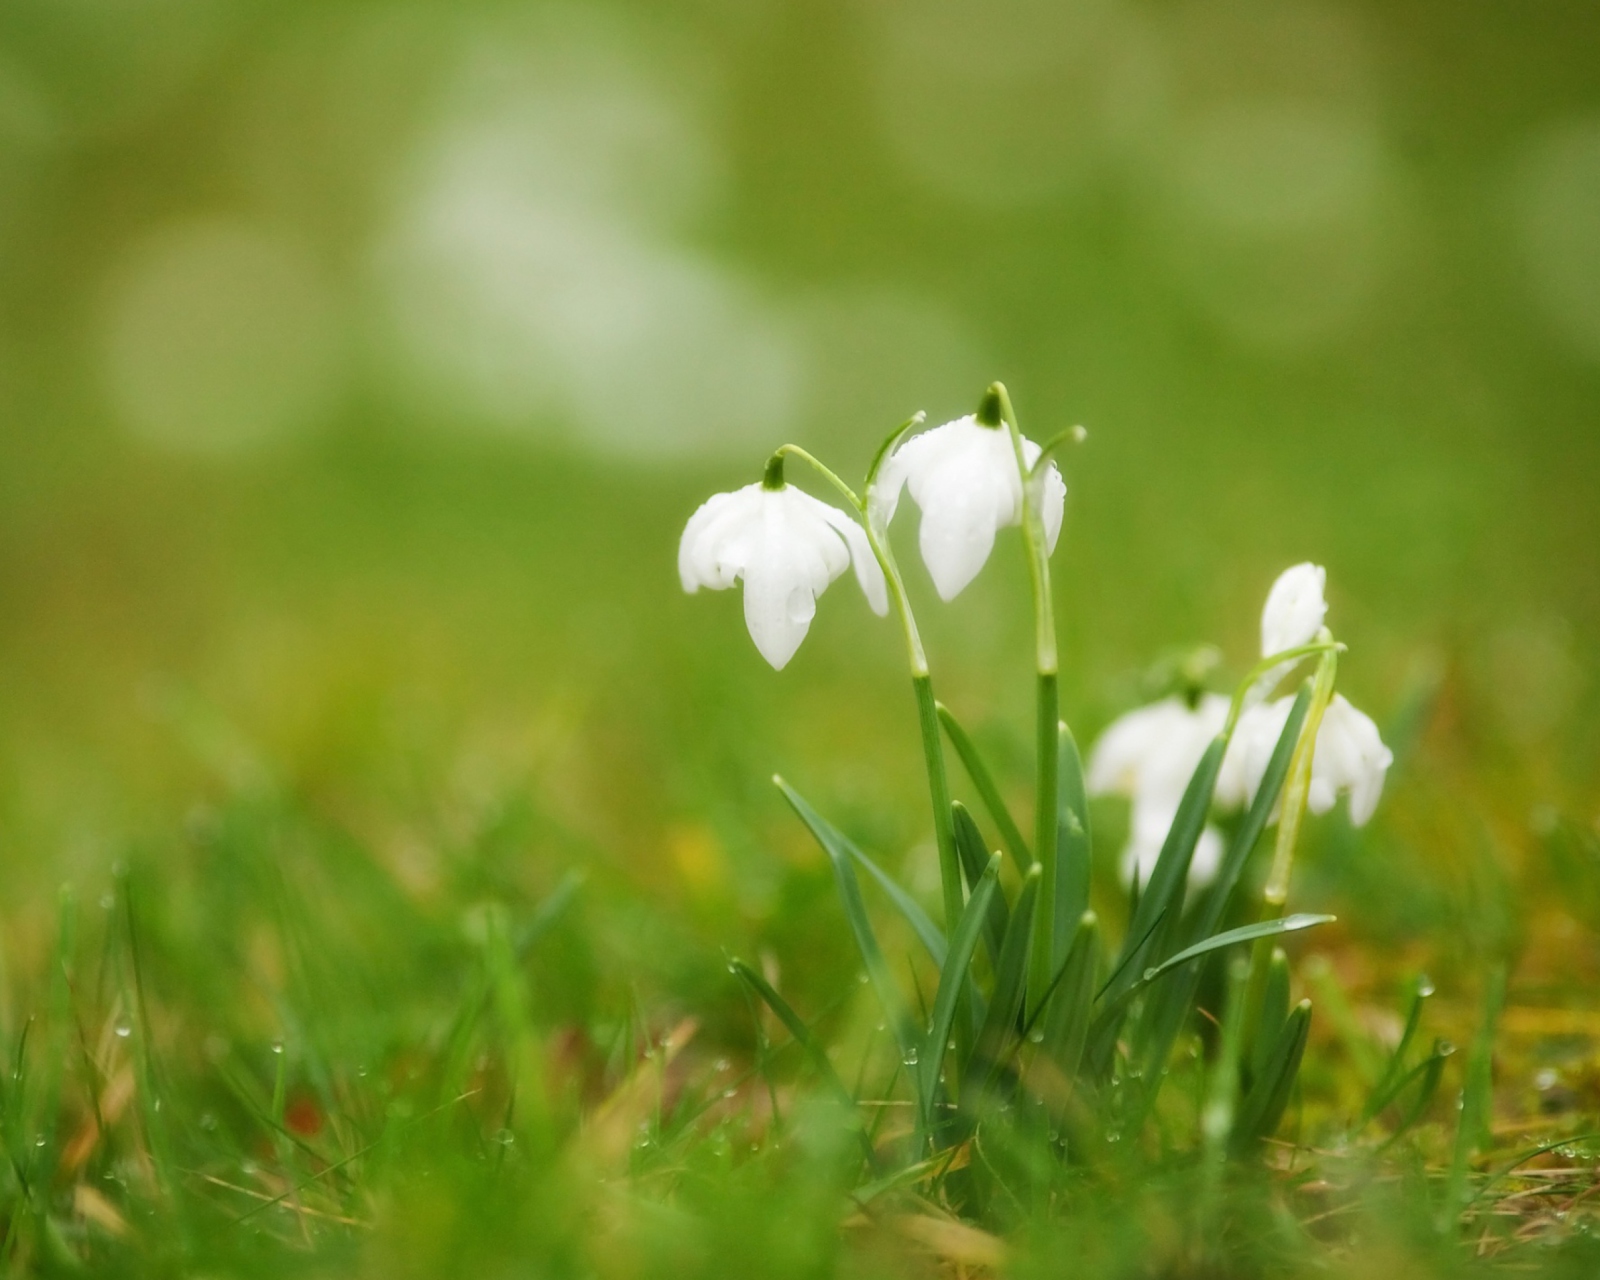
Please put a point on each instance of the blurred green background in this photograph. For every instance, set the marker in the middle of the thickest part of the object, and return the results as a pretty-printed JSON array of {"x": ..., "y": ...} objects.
[{"x": 360, "y": 363}]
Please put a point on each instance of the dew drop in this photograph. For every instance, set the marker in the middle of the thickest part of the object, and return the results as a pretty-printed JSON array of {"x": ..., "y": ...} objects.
[
  {"x": 722, "y": 1064},
  {"x": 124, "y": 1029},
  {"x": 107, "y": 901},
  {"x": 910, "y": 1058},
  {"x": 1036, "y": 1036},
  {"x": 277, "y": 1046}
]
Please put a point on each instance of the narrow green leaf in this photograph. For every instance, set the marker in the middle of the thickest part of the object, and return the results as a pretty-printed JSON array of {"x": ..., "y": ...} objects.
[
  {"x": 1274, "y": 1011},
  {"x": 855, "y": 911},
  {"x": 1430, "y": 1071},
  {"x": 1010, "y": 986},
  {"x": 952, "y": 982},
  {"x": 1477, "y": 1097},
  {"x": 1073, "y": 843},
  {"x": 983, "y": 782},
  {"x": 1230, "y": 937},
  {"x": 548, "y": 912},
  {"x": 1254, "y": 822},
  {"x": 974, "y": 861},
  {"x": 1071, "y": 999},
  {"x": 1222, "y": 1093},
  {"x": 1116, "y": 995},
  {"x": 1385, "y": 1090},
  {"x": 1264, "y": 1104},
  {"x": 797, "y": 1028},
  {"x": 928, "y": 933},
  {"x": 1163, "y": 896}
]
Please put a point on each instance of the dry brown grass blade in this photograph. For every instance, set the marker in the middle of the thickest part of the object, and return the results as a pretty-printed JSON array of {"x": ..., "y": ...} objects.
[
  {"x": 609, "y": 1135},
  {"x": 953, "y": 1241}
]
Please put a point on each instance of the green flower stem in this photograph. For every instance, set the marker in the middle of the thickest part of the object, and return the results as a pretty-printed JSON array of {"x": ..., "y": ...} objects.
[
  {"x": 922, "y": 685},
  {"x": 1047, "y": 738}
]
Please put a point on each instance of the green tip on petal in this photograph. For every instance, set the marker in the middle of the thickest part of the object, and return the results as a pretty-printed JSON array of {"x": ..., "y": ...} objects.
[
  {"x": 772, "y": 478},
  {"x": 989, "y": 411}
]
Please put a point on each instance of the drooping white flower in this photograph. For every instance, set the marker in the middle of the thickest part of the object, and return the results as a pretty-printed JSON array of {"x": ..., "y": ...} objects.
[
  {"x": 1294, "y": 610},
  {"x": 1350, "y": 758},
  {"x": 964, "y": 478},
  {"x": 1149, "y": 755},
  {"x": 786, "y": 546}
]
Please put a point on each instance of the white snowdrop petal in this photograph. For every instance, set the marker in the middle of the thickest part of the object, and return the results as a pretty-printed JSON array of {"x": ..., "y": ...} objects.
[
  {"x": 956, "y": 537},
  {"x": 869, "y": 573},
  {"x": 786, "y": 546},
  {"x": 1053, "y": 507},
  {"x": 693, "y": 560},
  {"x": 1294, "y": 610}
]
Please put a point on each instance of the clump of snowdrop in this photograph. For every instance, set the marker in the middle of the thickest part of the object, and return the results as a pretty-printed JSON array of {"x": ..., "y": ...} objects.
[
  {"x": 1043, "y": 998},
  {"x": 1147, "y": 755},
  {"x": 786, "y": 547}
]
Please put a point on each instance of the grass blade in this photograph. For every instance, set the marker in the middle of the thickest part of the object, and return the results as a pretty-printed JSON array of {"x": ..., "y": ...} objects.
[
  {"x": 952, "y": 982},
  {"x": 974, "y": 861},
  {"x": 1264, "y": 1105},
  {"x": 1163, "y": 896},
  {"x": 1255, "y": 821},
  {"x": 1070, "y": 1000},
  {"x": 983, "y": 783},
  {"x": 928, "y": 933},
  {"x": 1010, "y": 986},
  {"x": 811, "y": 1045},
  {"x": 1431, "y": 1071},
  {"x": 797, "y": 1028},
  {"x": 1389, "y": 1084},
  {"x": 1231, "y": 937},
  {"x": 836, "y": 847},
  {"x": 1477, "y": 1099},
  {"x": 1073, "y": 842},
  {"x": 1274, "y": 1011}
]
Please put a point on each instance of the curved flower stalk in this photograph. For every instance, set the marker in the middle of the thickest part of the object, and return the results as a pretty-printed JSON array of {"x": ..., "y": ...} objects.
[
  {"x": 971, "y": 478},
  {"x": 787, "y": 547},
  {"x": 1148, "y": 754},
  {"x": 965, "y": 479}
]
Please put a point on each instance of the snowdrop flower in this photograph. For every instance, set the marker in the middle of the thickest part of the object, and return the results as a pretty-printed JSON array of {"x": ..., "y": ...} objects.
[
  {"x": 787, "y": 547},
  {"x": 1350, "y": 758},
  {"x": 1295, "y": 609},
  {"x": 1149, "y": 756},
  {"x": 964, "y": 478}
]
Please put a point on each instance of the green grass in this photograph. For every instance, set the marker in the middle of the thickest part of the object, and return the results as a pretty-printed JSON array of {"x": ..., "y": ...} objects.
[
  {"x": 344, "y": 989},
  {"x": 379, "y": 822}
]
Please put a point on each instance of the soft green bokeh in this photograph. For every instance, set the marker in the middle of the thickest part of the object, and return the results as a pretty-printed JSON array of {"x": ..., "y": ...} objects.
[{"x": 360, "y": 364}]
